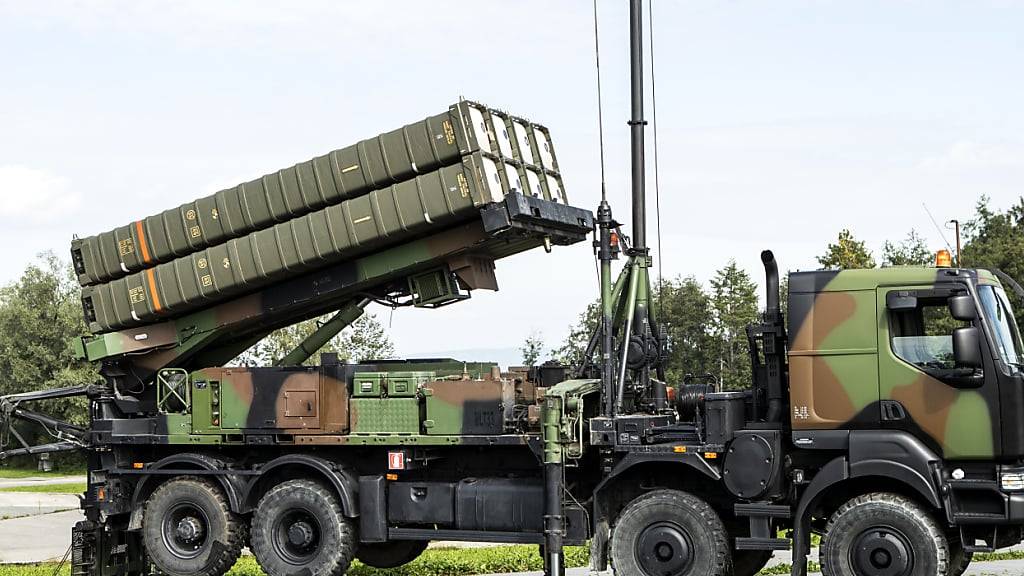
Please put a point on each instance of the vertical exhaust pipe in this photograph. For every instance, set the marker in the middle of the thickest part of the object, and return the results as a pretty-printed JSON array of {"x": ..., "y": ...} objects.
[
  {"x": 771, "y": 280},
  {"x": 774, "y": 340}
]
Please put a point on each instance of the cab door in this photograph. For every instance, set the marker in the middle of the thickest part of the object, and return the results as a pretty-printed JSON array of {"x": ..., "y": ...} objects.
[{"x": 922, "y": 390}]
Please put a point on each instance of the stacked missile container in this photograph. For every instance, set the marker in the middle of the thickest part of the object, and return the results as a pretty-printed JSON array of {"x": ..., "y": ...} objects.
[{"x": 397, "y": 187}]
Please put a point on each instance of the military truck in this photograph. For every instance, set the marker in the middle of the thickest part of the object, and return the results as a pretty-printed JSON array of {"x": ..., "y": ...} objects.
[{"x": 882, "y": 416}]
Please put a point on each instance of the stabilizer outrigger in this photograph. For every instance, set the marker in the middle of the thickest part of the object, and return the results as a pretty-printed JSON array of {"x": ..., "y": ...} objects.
[{"x": 68, "y": 436}]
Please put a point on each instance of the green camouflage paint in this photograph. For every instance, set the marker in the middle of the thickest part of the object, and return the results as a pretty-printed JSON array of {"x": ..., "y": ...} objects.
[{"x": 842, "y": 365}]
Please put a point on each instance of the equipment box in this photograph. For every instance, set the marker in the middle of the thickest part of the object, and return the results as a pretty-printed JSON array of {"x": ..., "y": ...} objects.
[
  {"x": 725, "y": 415},
  {"x": 464, "y": 407},
  {"x": 406, "y": 384},
  {"x": 421, "y": 503}
]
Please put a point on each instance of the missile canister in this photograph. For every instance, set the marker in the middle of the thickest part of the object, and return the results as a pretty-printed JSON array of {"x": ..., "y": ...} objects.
[
  {"x": 382, "y": 218},
  {"x": 327, "y": 180}
]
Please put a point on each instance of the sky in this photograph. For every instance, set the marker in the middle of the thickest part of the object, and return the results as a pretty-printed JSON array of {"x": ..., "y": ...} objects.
[{"x": 779, "y": 123}]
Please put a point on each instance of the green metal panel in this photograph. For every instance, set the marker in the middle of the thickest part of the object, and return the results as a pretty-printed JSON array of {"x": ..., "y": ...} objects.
[
  {"x": 343, "y": 174},
  {"x": 384, "y": 415}
]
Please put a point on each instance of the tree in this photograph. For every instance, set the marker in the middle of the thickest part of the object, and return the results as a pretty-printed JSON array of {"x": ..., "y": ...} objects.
[
  {"x": 685, "y": 309},
  {"x": 996, "y": 240},
  {"x": 846, "y": 253},
  {"x": 734, "y": 302},
  {"x": 364, "y": 339},
  {"x": 911, "y": 251},
  {"x": 40, "y": 313},
  {"x": 532, "y": 348},
  {"x": 570, "y": 353}
]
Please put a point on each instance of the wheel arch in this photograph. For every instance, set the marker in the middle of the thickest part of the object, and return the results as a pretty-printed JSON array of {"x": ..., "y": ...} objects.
[
  {"x": 233, "y": 488},
  {"x": 633, "y": 476},
  {"x": 341, "y": 480},
  {"x": 877, "y": 461},
  {"x": 680, "y": 471}
]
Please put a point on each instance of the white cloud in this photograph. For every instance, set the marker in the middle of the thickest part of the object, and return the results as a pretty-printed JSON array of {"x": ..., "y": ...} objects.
[{"x": 33, "y": 196}]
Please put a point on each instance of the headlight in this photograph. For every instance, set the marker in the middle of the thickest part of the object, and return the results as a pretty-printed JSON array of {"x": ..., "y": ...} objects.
[{"x": 1012, "y": 480}]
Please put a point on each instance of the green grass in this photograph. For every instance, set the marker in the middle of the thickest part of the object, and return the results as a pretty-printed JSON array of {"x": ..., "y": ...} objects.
[
  {"x": 787, "y": 568},
  {"x": 18, "y": 473},
  {"x": 69, "y": 488},
  {"x": 433, "y": 562},
  {"x": 996, "y": 556}
]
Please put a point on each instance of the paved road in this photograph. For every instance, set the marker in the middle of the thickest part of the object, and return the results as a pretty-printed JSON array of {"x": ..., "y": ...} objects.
[
  {"x": 37, "y": 538},
  {"x": 40, "y": 481},
  {"x": 19, "y": 504}
]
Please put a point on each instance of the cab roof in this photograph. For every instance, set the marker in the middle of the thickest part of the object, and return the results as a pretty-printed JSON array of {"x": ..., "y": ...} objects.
[{"x": 872, "y": 278}]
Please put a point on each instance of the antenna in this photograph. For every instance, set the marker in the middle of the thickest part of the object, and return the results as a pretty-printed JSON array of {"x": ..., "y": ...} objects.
[
  {"x": 939, "y": 230},
  {"x": 636, "y": 123}
]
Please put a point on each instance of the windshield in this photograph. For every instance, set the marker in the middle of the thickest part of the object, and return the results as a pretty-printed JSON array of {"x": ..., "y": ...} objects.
[{"x": 1000, "y": 317}]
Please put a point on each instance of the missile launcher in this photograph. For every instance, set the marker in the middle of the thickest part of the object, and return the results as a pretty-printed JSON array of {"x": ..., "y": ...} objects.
[{"x": 344, "y": 174}]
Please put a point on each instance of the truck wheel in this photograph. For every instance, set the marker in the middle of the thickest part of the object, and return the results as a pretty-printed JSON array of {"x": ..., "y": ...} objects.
[
  {"x": 749, "y": 562},
  {"x": 670, "y": 533},
  {"x": 390, "y": 554},
  {"x": 299, "y": 528},
  {"x": 189, "y": 529},
  {"x": 883, "y": 535}
]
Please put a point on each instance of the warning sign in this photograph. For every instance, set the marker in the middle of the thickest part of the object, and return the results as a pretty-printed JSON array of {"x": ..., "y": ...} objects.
[{"x": 396, "y": 460}]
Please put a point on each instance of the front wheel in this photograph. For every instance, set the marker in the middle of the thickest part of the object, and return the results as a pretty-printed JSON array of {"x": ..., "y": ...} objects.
[
  {"x": 670, "y": 533},
  {"x": 299, "y": 528},
  {"x": 883, "y": 535}
]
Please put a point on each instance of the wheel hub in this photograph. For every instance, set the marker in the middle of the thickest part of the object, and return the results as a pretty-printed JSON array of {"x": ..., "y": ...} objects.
[
  {"x": 297, "y": 536},
  {"x": 664, "y": 549},
  {"x": 300, "y": 534},
  {"x": 882, "y": 552},
  {"x": 185, "y": 530},
  {"x": 189, "y": 529}
]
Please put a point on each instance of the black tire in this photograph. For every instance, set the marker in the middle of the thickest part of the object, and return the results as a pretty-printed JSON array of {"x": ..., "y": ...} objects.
[
  {"x": 390, "y": 554},
  {"x": 959, "y": 559},
  {"x": 188, "y": 529},
  {"x": 749, "y": 562},
  {"x": 883, "y": 535},
  {"x": 299, "y": 528},
  {"x": 670, "y": 533}
]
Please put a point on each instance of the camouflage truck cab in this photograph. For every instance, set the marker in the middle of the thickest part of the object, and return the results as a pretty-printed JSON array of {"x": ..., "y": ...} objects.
[{"x": 877, "y": 349}]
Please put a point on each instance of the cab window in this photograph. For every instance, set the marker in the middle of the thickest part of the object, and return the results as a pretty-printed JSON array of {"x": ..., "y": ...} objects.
[{"x": 922, "y": 332}]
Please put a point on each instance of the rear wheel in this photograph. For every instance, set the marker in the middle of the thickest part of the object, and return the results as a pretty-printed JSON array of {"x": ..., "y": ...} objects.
[
  {"x": 390, "y": 554},
  {"x": 883, "y": 535},
  {"x": 299, "y": 528},
  {"x": 670, "y": 533},
  {"x": 189, "y": 529}
]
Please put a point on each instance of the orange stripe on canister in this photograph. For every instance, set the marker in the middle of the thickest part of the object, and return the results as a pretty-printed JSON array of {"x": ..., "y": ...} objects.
[
  {"x": 142, "y": 241},
  {"x": 151, "y": 278}
]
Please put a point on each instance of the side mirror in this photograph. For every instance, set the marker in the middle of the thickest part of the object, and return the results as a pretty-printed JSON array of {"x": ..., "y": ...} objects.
[
  {"x": 966, "y": 346},
  {"x": 962, "y": 308}
]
